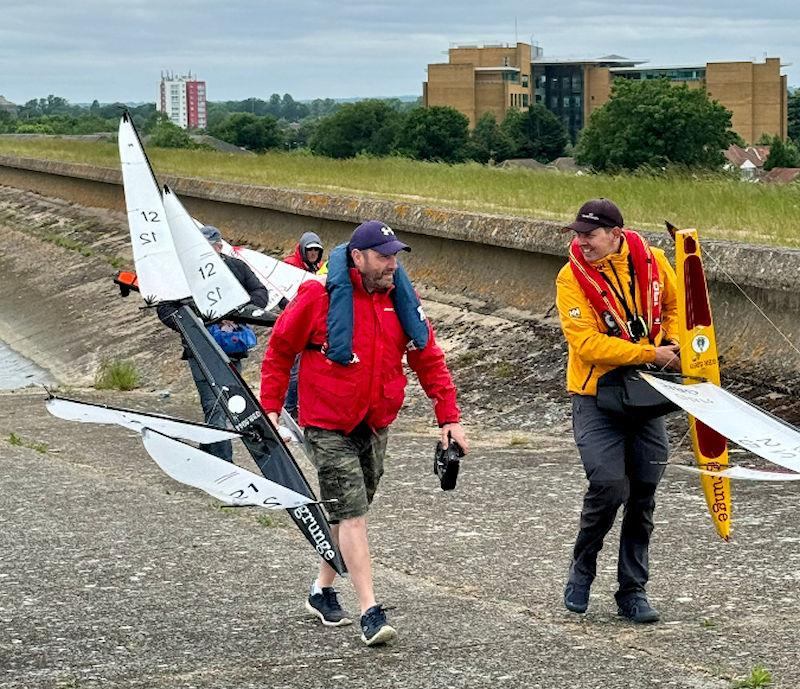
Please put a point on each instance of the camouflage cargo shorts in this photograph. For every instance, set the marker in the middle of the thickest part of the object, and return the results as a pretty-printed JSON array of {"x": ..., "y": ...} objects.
[{"x": 349, "y": 467}]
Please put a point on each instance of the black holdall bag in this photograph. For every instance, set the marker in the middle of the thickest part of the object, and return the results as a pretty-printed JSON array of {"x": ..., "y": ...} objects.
[{"x": 623, "y": 391}]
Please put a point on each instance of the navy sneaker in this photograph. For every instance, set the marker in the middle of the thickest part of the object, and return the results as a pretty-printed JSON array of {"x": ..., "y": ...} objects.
[
  {"x": 638, "y": 609},
  {"x": 374, "y": 627},
  {"x": 576, "y": 597},
  {"x": 326, "y": 606}
]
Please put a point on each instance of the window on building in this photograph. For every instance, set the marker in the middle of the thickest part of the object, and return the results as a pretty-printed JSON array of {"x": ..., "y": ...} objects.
[{"x": 525, "y": 80}]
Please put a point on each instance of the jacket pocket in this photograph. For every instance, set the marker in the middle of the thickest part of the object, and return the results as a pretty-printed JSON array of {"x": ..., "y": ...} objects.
[
  {"x": 394, "y": 393},
  {"x": 588, "y": 377},
  {"x": 335, "y": 386}
]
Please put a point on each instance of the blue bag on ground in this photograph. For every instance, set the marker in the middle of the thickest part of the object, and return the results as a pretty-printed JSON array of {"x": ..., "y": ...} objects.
[{"x": 236, "y": 341}]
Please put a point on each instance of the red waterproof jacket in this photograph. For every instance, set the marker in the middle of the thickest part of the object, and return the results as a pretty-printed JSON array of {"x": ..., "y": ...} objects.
[
  {"x": 371, "y": 389},
  {"x": 296, "y": 259}
]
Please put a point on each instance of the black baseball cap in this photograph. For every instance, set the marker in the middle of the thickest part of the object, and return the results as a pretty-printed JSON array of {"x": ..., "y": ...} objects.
[
  {"x": 596, "y": 213},
  {"x": 377, "y": 235}
]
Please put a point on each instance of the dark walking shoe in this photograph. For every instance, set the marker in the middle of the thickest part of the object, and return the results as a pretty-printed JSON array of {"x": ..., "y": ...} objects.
[
  {"x": 326, "y": 606},
  {"x": 638, "y": 609},
  {"x": 374, "y": 627},
  {"x": 576, "y": 597}
]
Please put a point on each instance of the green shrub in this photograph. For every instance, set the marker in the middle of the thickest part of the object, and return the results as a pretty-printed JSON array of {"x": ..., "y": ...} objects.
[
  {"x": 758, "y": 677},
  {"x": 116, "y": 375}
]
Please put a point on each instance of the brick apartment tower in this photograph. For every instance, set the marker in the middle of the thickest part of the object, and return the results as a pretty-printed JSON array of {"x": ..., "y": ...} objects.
[{"x": 183, "y": 100}]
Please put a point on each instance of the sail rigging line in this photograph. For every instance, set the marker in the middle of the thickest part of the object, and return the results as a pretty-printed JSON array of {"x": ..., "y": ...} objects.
[
  {"x": 731, "y": 279},
  {"x": 673, "y": 450}
]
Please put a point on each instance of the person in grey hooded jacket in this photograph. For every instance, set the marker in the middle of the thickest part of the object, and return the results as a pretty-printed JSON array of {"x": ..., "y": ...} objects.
[
  {"x": 307, "y": 256},
  {"x": 308, "y": 253}
]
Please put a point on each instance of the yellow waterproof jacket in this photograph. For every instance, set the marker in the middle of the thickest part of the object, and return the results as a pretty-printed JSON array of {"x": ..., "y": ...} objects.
[{"x": 591, "y": 351}]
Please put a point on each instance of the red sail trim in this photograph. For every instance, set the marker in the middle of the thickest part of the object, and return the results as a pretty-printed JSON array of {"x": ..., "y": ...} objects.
[{"x": 710, "y": 443}]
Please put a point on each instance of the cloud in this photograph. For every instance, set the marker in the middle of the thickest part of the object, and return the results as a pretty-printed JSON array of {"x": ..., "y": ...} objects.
[{"x": 311, "y": 48}]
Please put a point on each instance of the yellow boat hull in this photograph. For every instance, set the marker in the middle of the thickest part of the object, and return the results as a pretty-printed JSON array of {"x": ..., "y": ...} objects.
[{"x": 699, "y": 358}]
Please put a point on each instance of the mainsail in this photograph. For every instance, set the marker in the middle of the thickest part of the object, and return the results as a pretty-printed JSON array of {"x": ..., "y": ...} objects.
[
  {"x": 158, "y": 270},
  {"x": 736, "y": 419},
  {"x": 85, "y": 412},
  {"x": 744, "y": 473},
  {"x": 227, "y": 482},
  {"x": 214, "y": 288},
  {"x": 282, "y": 280}
]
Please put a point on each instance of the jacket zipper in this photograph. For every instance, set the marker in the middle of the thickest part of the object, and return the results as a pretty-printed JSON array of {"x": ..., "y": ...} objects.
[{"x": 586, "y": 382}]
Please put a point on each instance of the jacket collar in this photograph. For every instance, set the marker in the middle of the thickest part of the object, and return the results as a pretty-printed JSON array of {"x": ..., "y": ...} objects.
[{"x": 617, "y": 259}]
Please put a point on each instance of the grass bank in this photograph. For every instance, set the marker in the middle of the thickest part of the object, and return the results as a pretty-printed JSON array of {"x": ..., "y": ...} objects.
[{"x": 717, "y": 205}]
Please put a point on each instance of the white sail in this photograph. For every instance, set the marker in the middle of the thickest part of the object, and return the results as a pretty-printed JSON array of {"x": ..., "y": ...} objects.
[
  {"x": 736, "y": 419},
  {"x": 745, "y": 473},
  {"x": 225, "y": 481},
  {"x": 214, "y": 288},
  {"x": 282, "y": 280},
  {"x": 72, "y": 410},
  {"x": 291, "y": 425},
  {"x": 157, "y": 267}
]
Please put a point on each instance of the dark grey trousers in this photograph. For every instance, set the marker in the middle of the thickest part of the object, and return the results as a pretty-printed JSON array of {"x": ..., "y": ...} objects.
[
  {"x": 624, "y": 461},
  {"x": 213, "y": 412}
]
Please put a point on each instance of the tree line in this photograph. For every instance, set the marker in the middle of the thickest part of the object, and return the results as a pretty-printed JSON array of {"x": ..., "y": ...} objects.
[{"x": 645, "y": 124}]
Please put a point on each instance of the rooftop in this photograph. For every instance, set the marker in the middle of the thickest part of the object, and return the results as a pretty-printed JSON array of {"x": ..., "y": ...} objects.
[
  {"x": 498, "y": 68},
  {"x": 654, "y": 68},
  {"x": 604, "y": 60}
]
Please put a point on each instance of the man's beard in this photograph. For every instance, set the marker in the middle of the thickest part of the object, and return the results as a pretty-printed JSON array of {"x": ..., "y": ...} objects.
[{"x": 380, "y": 282}]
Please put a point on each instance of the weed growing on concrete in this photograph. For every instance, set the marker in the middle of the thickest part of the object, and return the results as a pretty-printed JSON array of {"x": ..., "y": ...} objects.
[
  {"x": 758, "y": 677},
  {"x": 116, "y": 375},
  {"x": 707, "y": 623},
  {"x": 69, "y": 683},
  {"x": 504, "y": 369},
  {"x": 116, "y": 262},
  {"x": 266, "y": 520},
  {"x": 518, "y": 441},
  {"x": 67, "y": 243},
  {"x": 464, "y": 359},
  {"x": 19, "y": 441}
]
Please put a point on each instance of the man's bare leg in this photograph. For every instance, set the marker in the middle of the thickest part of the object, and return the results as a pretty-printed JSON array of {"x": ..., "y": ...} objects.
[
  {"x": 355, "y": 549},
  {"x": 327, "y": 574}
]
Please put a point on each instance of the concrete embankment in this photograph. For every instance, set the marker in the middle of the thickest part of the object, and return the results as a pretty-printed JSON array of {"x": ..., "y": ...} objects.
[
  {"x": 494, "y": 262},
  {"x": 114, "y": 575}
]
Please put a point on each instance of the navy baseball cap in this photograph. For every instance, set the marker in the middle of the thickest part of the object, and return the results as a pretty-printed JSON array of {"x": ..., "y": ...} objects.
[
  {"x": 596, "y": 213},
  {"x": 376, "y": 235},
  {"x": 211, "y": 233}
]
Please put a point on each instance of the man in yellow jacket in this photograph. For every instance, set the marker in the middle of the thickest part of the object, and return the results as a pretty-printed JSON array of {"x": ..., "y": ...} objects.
[{"x": 617, "y": 303}]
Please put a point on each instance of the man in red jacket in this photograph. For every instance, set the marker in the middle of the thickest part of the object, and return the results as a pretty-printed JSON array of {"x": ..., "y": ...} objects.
[{"x": 347, "y": 408}]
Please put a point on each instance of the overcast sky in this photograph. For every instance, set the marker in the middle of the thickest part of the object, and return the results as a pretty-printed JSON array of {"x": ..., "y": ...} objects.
[{"x": 115, "y": 51}]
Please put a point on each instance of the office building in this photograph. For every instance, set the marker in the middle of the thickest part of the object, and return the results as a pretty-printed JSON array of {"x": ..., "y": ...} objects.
[{"x": 494, "y": 78}]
